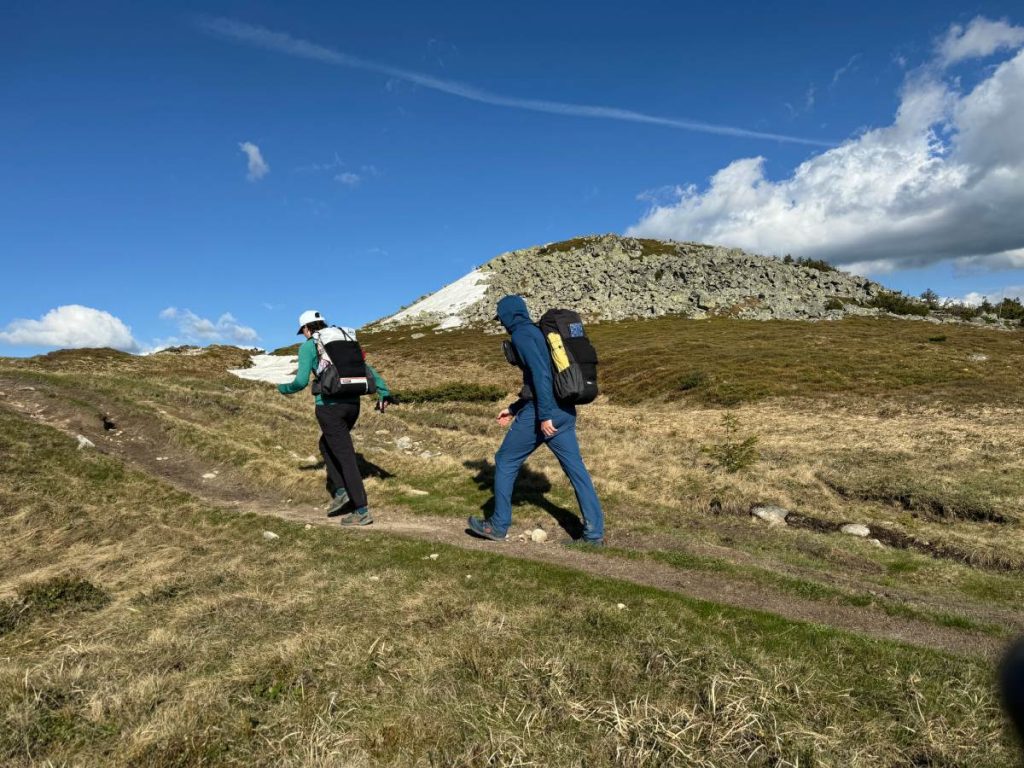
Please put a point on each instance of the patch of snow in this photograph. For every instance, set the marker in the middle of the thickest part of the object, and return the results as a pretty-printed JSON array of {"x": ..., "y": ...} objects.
[
  {"x": 276, "y": 369},
  {"x": 451, "y": 322},
  {"x": 449, "y": 301}
]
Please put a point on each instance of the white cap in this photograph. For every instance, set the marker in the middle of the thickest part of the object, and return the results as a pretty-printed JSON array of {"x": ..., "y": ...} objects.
[{"x": 307, "y": 317}]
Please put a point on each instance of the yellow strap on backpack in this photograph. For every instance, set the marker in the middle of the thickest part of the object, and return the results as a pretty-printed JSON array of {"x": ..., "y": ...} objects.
[{"x": 558, "y": 354}]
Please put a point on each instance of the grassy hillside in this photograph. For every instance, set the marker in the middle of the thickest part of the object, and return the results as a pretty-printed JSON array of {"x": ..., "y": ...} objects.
[
  {"x": 727, "y": 362},
  {"x": 144, "y": 627},
  {"x": 144, "y": 614}
]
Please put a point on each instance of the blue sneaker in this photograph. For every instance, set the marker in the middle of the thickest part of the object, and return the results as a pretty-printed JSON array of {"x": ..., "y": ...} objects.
[
  {"x": 360, "y": 516},
  {"x": 485, "y": 530}
]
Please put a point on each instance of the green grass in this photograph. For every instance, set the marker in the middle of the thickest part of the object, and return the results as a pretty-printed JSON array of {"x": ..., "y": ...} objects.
[
  {"x": 217, "y": 647},
  {"x": 456, "y": 391},
  {"x": 728, "y": 362},
  {"x": 807, "y": 589}
]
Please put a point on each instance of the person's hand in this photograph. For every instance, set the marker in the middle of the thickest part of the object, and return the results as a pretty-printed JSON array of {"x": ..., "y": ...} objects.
[
  {"x": 505, "y": 417},
  {"x": 548, "y": 428},
  {"x": 384, "y": 402}
]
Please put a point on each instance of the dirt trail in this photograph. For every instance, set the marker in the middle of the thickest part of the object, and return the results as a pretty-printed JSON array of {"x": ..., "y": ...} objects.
[{"x": 144, "y": 446}]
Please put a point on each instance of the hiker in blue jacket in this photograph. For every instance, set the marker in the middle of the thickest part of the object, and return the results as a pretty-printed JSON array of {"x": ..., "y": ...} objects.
[{"x": 536, "y": 418}]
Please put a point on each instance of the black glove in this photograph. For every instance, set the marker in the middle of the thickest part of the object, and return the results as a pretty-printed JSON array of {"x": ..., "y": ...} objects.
[{"x": 384, "y": 402}]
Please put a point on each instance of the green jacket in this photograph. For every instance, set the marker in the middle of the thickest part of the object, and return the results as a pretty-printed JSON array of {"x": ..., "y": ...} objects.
[{"x": 308, "y": 359}]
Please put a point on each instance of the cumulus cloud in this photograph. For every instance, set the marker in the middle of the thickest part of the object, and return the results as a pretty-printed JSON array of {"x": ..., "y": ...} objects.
[
  {"x": 258, "y": 167},
  {"x": 982, "y": 37},
  {"x": 348, "y": 178},
  {"x": 71, "y": 326},
  {"x": 225, "y": 329},
  {"x": 944, "y": 181},
  {"x": 974, "y": 298}
]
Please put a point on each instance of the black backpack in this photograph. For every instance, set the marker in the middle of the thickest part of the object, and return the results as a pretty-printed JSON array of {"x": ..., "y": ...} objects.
[
  {"x": 341, "y": 371},
  {"x": 573, "y": 357}
]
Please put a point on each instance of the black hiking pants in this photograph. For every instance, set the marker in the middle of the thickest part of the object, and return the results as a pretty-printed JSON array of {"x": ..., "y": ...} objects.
[{"x": 336, "y": 423}]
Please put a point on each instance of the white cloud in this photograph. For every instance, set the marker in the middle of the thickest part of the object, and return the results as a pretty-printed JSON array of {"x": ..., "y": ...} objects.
[
  {"x": 974, "y": 298},
  {"x": 194, "y": 328},
  {"x": 258, "y": 167},
  {"x": 944, "y": 181},
  {"x": 982, "y": 37},
  {"x": 291, "y": 46},
  {"x": 349, "y": 179},
  {"x": 71, "y": 326}
]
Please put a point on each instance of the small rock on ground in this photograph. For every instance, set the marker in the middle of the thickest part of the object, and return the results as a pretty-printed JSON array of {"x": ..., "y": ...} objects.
[
  {"x": 770, "y": 513},
  {"x": 85, "y": 442},
  {"x": 404, "y": 443},
  {"x": 210, "y": 476},
  {"x": 270, "y": 535},
  {"x": 538, "y": 535},
  {"x": 856, "y": 529}
]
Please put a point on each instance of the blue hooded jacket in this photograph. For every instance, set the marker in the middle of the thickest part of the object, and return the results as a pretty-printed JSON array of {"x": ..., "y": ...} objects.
[{"x": 533, "y": 351}]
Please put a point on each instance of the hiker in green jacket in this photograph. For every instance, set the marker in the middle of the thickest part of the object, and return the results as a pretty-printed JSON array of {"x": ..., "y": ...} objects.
[{"x": 337, "y": 416}]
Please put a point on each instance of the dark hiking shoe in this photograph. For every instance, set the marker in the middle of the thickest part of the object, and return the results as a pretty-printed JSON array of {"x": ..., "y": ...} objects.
[
  {"x": 359, "y": 517},
  {"x": 338, "y": 503},
  {"x": 583, "y": 544},
  {"x": 485, "y": 530}
]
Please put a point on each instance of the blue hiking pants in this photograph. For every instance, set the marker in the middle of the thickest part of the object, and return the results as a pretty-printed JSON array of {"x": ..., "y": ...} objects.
[{"x": 522, "y": 439}]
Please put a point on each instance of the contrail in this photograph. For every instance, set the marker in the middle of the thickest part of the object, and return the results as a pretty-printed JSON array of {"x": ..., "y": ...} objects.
[{"x": 284, "y": 43}]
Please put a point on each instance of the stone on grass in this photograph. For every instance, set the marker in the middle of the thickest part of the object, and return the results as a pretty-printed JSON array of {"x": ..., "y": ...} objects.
[
  {"x": 770, "y": 513},
  {"x": 418, "y": 492},
  {"x": 621, "y": 606},
  {"x": 856, "y": 529},
  {"x": 210, "y": 476},
  {"x": 404, "y": 443},
  {"x": 85, "y": 442},
  {"x": 270, "y": 535},
  {"x": 538, "y": 535}
]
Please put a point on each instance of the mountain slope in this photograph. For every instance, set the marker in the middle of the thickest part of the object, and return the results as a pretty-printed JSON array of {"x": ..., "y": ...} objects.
[{"x": 609, "y": 277}]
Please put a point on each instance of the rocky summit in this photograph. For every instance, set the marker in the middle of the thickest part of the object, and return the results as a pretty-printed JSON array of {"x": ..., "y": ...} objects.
[{"x": 609, "y": 277}]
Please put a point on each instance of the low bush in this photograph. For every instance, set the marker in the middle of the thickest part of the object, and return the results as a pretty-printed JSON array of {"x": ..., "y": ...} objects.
[
  {"x": 733, "y": 454},
  {"x": 899, "y": 304}
]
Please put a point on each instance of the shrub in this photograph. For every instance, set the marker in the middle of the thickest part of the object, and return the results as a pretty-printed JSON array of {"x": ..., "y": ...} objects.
[
  {"x": 834, "y": 303},
  {"x": 819, "y": 264},
  {"x": 733, "y": 454},
  {"x": 456, "y": 391},
  {"x": 937, "y": 339},
  {"x": 898, "y": 304},
  {"x": 690, "y": 381}
]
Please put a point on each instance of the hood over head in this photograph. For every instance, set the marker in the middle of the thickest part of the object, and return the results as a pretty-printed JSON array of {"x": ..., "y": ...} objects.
[{"x": 512, "y": 311}]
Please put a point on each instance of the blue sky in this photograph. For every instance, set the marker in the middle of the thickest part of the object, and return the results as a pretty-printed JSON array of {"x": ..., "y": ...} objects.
[{"x": 396, "y": 146}]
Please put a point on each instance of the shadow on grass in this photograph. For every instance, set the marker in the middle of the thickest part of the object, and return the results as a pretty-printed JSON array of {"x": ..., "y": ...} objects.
[
  {"x": 530, "y": 489},
  {"x": 366, "y": 469}
]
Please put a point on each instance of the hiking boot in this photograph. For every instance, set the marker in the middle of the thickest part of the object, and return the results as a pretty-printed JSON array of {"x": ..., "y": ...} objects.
[
  {"x": 583, "y": 544},
  {"x": 360, "y": 516},
  {"x": 485, "y": 530},
  {"x": 338, "y": 503}
]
